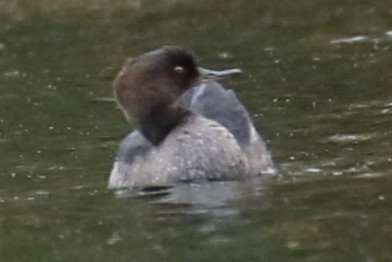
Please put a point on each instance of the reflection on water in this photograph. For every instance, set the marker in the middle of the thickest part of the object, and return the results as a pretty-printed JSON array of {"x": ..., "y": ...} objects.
[
  {"x": 200, "y": 197},
  {"x": 362, "y": 38},
  {"x": 316, "y": 78}
]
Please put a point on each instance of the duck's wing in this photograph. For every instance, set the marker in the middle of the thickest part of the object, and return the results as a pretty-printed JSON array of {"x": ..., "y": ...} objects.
[
  {"x": 132, "y": 146},
  {"x": 214, "y": 102}
]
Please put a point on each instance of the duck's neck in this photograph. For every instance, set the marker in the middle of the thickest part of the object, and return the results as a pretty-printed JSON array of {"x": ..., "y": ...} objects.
[{"x": 160, "y": 122}]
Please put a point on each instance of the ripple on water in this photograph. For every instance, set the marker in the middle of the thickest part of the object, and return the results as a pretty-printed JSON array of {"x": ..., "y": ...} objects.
[
  {"x": 350, "y": 137},
  {"x": 363, "y": 38},
  {"x": 13, "y": 74},
  {"x": 349, "y": 40}
]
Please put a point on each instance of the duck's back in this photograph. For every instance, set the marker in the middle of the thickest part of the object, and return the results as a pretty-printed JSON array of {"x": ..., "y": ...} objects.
[
  {"x": 216, "y": 103},
  {"x": 198, "y": 149}
]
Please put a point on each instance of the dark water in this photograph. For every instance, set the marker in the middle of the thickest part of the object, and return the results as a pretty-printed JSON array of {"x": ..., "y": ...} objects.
[{"x": 317, "y": 80}]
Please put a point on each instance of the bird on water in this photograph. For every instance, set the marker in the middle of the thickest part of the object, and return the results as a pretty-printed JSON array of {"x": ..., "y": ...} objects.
[{"x": 188, "y": 127}]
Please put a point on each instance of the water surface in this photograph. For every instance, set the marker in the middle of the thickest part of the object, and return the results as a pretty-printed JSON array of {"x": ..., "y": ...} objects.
[{"x": 316, "y": 79}]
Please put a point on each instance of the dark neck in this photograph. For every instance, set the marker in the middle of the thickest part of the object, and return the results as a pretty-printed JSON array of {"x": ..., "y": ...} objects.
[{"x": 159, "y": 123}]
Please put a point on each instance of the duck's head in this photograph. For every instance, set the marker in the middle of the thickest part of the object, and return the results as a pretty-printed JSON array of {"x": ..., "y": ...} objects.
[{"x": 154, "y": 81}]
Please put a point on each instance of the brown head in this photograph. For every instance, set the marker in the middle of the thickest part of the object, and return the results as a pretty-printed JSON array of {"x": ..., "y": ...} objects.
[
  {"x": 148, "y": 87},
  {"x": 153, "y": 81}
]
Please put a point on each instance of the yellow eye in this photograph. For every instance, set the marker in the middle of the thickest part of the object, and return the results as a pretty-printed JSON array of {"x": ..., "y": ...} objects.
[{"x": 179, "y": 69}]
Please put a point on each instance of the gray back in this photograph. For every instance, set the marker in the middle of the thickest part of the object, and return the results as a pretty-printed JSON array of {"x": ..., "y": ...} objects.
[{"x": 214, "y": 102}]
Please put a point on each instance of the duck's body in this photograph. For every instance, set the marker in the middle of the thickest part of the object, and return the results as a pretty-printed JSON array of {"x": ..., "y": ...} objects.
[{"x": 210, "y": 137}]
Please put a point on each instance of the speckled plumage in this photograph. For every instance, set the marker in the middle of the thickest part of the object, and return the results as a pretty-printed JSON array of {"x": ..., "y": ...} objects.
[
  {"x": 197, "y": 150},
  {"x": 205, "y": 134}
]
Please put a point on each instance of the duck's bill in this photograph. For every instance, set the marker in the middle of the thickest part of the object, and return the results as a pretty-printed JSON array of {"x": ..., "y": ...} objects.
[{"x": 207, "y": 75}]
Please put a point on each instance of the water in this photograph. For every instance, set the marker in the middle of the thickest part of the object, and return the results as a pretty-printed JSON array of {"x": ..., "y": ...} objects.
[{"x": 316, "y": 79}]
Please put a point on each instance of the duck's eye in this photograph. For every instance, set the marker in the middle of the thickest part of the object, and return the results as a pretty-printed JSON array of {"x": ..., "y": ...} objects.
[{"x": 179, "y": 70}]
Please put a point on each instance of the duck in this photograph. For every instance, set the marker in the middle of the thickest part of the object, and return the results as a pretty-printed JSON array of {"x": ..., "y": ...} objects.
[{"x": 188, "y": 128}]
